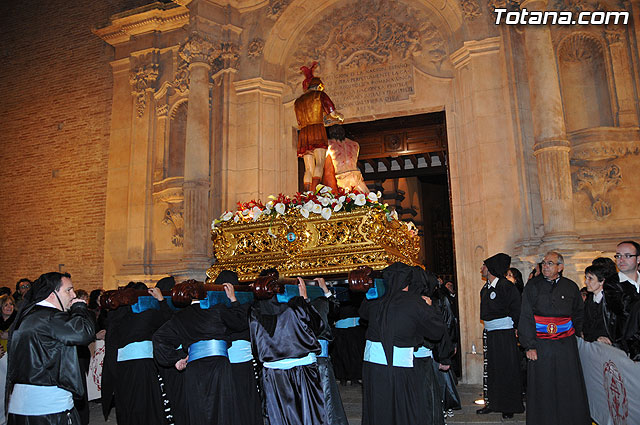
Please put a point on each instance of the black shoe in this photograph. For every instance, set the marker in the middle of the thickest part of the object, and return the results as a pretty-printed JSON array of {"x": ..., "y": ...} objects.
[
  {"x": 484, "y": 411},
  {"x": 507, "y": 415}
]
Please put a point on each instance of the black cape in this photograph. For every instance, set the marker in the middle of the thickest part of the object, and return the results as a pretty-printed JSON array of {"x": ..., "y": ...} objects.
[
  {"x": 504, "y": 386},
  {"x": 396, "y": 395},
  {"x": 286, "y": 331},
  {"x": 132, "y": 385},
  {"x": 208, "y": 380}
]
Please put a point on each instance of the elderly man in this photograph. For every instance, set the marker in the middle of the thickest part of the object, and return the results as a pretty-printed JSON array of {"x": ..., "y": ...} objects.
[
  {"x": 551, "y": 315},
  {"x": 628, "y": 261},
  {"x": 500, "y": 311},
  {"x": 43, "y": 372}
]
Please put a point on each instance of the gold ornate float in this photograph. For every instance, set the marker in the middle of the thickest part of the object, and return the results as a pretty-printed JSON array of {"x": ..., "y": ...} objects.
[{"x": 311, "y": 244}]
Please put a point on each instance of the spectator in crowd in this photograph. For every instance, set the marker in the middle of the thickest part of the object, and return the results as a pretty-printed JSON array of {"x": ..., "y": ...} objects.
[
  {"x": 5, "y": 290},
  {"x": 584, "y": 292},
  {"x": 627, "y": 259},
  {"x": 514, "y": 276},
  {"x": 552, "y": 313},
  {"x": 22, "y": 287},
  {"x": 8, "y": 313},
  {"x": 594, "y": 328}
]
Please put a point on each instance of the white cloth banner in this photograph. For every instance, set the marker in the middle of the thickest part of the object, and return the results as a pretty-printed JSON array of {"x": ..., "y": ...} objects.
[
  {"x": 613, "y": 384},
  {"x": 94, "y": 378}
]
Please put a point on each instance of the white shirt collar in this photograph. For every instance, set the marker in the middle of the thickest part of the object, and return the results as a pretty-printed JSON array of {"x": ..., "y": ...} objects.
[
  {"x": 598, "y": 297},
  {"x": 636, "y": 282},
  {"x": 494, "y": 282},
  {"x": 45, "y": 303}
]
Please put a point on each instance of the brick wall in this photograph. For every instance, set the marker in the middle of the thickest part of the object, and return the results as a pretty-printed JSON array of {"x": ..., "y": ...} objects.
[{"x": 55, "y": 100}]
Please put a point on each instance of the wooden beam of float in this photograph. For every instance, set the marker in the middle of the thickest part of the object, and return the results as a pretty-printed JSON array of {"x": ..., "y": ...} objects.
[{"x": 314, "y": 246}]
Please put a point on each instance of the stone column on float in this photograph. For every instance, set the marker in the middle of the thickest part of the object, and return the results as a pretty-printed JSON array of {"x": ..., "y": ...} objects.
[
  {"x": 627, "y": 114},
  {"x": 198, "y": 52},
  {"x": 551, "y": 147}
]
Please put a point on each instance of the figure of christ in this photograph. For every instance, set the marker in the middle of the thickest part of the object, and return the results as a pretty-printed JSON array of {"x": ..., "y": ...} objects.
[
  {"x": 313, "y": 110},
  {"x": 341, "y": 164}
]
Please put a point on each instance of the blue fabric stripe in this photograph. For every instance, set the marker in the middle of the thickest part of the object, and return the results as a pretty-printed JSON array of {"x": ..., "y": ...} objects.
[
  {"x": 422, "y": 353},
  {"x": 324, "y": 344},
  {"x": 374, "y": 353},
  {"x": 291, "y": 363},
  {"x": 561, "y": 328},
  {"x": 207, "y": 348},
  {"x": 136, "y": 351},
  {"x": 145, "y": 302},
  {"x": 498, "y": 324},
  {"x": 240, "y": 351},
  {"x": 350, "y": 322}
]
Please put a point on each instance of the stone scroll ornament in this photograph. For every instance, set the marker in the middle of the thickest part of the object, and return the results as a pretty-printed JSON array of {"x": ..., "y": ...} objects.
[
  {"x": 142, "y": 78},
  {"x": 596, "y": 182}
]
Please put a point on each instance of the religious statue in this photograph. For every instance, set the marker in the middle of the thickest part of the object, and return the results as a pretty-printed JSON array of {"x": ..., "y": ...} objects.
[
  {"x": 341, "y": 164},
  {"x": 314, "y": 109}
]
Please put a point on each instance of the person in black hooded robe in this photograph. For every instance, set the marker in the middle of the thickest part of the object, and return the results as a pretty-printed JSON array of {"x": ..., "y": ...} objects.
[
  {"x": 500, "y": 310},
  {"x": 242, "y": 361},
  {"x": 43, "y": 372},
  {"x": 347, "y": 349},
  {"x": 284, "y": 338},
  {"x": 203, "y": 332},
  {"x": 129, "y": 373},
  {"x": 399, "y": 321},
  {"x": 327, "y": 306},
  {"x": 431, "y": 354}
]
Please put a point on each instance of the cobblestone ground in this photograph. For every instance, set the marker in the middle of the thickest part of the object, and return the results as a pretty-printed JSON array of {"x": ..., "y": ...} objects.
[{"x": 352, "y": 400}]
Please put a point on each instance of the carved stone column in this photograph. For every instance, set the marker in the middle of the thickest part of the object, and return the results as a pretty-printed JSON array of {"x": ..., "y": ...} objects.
[
  {"x": 627, "y": 114},
  {"x": 198, "y": 52},
  {"x": 551, "y": 145}
]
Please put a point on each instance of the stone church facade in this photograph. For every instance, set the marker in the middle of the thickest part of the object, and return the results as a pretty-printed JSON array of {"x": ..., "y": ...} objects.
[{"x": 542, "y": 123}]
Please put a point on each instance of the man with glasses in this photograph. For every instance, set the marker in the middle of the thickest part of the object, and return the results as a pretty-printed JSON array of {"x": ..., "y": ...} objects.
[
  {"x": 551, "y": 315},
  {"x": 627, "y": 259},
  {"x": 22, "y": 287}
]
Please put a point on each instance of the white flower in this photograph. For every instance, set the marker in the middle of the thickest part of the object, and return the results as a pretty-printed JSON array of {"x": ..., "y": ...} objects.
[
  {"x": 304, "y": 212},
  {"x": 236, "y": 218},
  {"x": 270, "y": 232},
  {"x": 214, "y": 223},
  {"x": 308, "y": 205},
  {"x": 360, "y": 200},
  {"x": 257, "y": 212},
  {"x": 394, "y": 214},
  {"x": 245, "y": 212},
  {"x": 227, "y": 216},
  {"x": 379, "y": 194},
  {"x": 372, "y": 197},
  {"x": 326, "y": 213},
  {"x": 324, "y": 201},
  {"x": 269, "y": 205},
  {"x": 341, "y": 199},
  {"x": 317, "y": 208},
  {"x": 280, "y": 207},
  {"x": 324, "y": 189},
  {"x": 338, "y": 207},
  {"x": 267, "y": 211},
  {"x": 351, "y": 195}
]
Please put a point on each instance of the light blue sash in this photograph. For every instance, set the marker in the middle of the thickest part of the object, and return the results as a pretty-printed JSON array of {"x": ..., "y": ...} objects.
[
  {"x": 324, "y": 344},
  {"x": 422, "y": 353},
  {"x": 498, "y": 324},
  {"x": 291, "y": 363},
  {"x": 350, "y": 322},
  {"x": 240, "y": 351},
  {"x": 207, "y": 348},
  {"x": 374, "y": 353},
  {"x": 135, "y": 351},
  {"x": 37, "y": 400}
]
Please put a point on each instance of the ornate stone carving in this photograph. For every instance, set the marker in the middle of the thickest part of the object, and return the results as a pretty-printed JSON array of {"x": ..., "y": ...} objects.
[
  {"x": 228, "y": 56},
  {"x": 276, "y": 7},
  {"x": 510, "y": 5},
  {"x": 256, "y": 46},
  {"x": 577, "y": 5},
  {"x": 613, "y": 35},
  {"x": 181, "y": 80},
  {"x": 199, "y": 48},
  {"x": 174, "y": 216},
  {"x": 143, "y": 76},
  {"x": 579, "y": 47},
  {"x": 596, "y": 182},
  {"x": 368, "y": 33},
  {"x": 470, "y": 9}
]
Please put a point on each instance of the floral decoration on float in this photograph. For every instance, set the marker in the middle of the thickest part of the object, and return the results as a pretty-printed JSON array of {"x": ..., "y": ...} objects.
[{"x": 311, "y": 233}]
